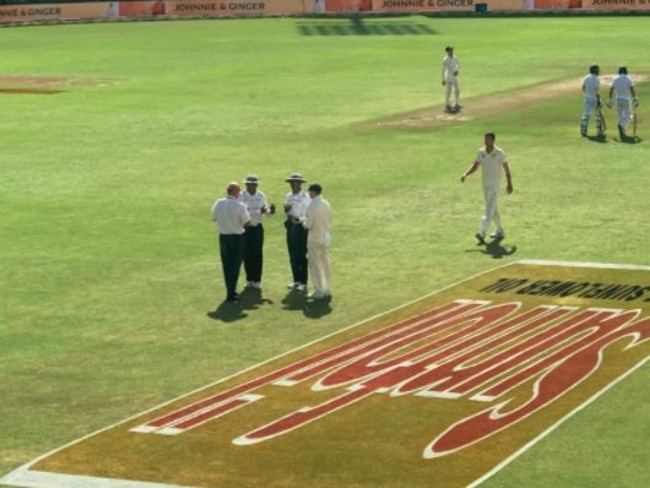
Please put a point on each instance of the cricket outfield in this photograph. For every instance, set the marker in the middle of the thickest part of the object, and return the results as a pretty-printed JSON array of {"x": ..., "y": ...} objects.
[{"x": 110, "y": 265}]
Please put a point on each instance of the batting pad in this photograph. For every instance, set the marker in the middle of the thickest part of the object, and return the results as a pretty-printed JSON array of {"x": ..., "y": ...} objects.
[{"x": 442, "y": 392}]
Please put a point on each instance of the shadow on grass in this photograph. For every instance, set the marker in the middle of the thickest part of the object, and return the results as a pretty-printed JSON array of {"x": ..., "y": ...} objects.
[
  {"x": 356, "y": 27},
  {"x": 630, "y": 140},
  {"x": 232, "y": 311},
  {"x": 495, "y": 249},
  {"x": 602, "y": 139},
  {"x": 313, "y": 309}
]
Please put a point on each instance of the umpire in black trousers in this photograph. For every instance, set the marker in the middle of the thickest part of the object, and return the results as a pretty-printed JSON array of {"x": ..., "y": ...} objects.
[
  {"x": 295, "y": 207},
  {"x": 231, "y": 217}
]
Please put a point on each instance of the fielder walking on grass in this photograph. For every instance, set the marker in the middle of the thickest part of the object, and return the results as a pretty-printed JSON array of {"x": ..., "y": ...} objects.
[
  {"x": 257, "y": 206},
  {"x": 231, "y": 217},
  {"x": 295, "y": 205},
  {"x": 318, "y": 219},
  {"x": 492, "y": 161},
  {"x": 450, "y": 70},
  {"x": 592, "y": 103},
  {"x": 623, "y": 86}
]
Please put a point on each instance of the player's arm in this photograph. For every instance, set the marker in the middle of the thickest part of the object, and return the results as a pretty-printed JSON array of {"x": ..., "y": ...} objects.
[
  {"x": 469, "y": 171},
  {"x": 506, "y": 169}
]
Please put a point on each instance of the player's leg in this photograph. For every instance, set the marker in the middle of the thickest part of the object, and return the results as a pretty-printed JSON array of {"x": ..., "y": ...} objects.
[
  {"x": 457, "y": 105},
  {"x": 586, "y": 114},
  {"x": 448, "y": 88}
]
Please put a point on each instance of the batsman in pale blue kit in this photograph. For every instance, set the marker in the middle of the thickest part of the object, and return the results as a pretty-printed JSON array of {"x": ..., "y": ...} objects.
[{"x": 591, "y": 90}]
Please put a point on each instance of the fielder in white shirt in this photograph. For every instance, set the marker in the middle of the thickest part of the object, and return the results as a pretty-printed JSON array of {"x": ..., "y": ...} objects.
[
  {"x": 623, "y": 86},
  {"x": 493, "y": 162},
  {"x": 592, "y": 103},
  {"x": 450, "y": 70},
  {"x": 318, "y": 220}
]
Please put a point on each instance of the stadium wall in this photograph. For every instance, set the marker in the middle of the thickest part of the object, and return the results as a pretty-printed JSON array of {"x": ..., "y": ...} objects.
[{"x": 16, "y": 11}]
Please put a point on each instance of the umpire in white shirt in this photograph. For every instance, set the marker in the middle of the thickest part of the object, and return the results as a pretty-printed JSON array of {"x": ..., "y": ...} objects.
[
  {"x": 258, "y": 207},
  {"x": 295, "y": 205},
  {"x": 231, "y": 217},
  {"x": 318, "y": 219}
]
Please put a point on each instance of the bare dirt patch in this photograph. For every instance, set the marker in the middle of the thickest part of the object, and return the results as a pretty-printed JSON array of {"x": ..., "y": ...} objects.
[
  {"x": 496, "y": 104},
  {"x": 47, "y": 85}
]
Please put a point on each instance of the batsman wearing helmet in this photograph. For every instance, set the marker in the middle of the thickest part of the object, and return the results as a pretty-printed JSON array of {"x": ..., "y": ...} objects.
[
  {"x": 592, "y": 103},
  {"x": 623, "y": 86}
]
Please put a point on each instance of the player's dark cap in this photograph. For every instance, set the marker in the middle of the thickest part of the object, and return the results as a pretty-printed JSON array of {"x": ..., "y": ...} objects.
[
  {"x": 594, "y": 69},
  {"x": 315, "y": 187},
  {"x": 449, "y": 48},
  {"x": 622, "y": 70}
]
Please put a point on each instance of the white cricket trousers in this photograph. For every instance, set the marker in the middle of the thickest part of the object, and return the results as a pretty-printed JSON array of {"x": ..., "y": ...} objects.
[
  {"x": 491, "y": 194},
  {"x": 452, "y": 85},
  {"x": 624, "y": 112},
  {"x": 318, "y": 257}
]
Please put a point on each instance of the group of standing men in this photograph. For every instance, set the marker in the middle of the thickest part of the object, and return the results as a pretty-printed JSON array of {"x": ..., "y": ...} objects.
[
  {"x": 308, "y": 219},
  {"x": 626, "y": 100}
]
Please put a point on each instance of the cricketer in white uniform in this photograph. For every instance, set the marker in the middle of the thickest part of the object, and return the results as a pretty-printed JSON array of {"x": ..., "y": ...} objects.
[
  {"x": 492, "y": 161},
  {"x": 450, "y": 70},
  {"x": 318, "y": 219},
  {"x": 623, "y": 86},
  {"x": 592, "y": 103}
]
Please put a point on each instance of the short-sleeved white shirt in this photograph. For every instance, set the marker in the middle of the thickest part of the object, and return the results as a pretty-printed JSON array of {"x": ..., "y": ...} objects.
[
  {"x": 491, "y": 165},
  {"x": 254, "y": 203},
  {"x": 298, "y": 202},
  {"x": 621, "y": 85},
  {"x": 230, "y": 215},
  {"x": 591, "y": 84}
]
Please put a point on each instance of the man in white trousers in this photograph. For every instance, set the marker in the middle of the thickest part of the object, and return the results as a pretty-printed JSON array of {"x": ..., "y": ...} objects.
[
  {"x": 492, "y": 161},
  {"x": 592, "y": 103},
  {"x": 623, "y": 86},
  {"x": 450, "y": 70},
  {"x": 318, "y": 219}
]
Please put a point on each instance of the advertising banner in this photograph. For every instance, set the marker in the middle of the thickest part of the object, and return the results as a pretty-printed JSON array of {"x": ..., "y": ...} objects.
[
  {"x": 218, "y": 8},
  {"x": 445, "y": 5},
  {"x": 53, "y": 12},
  {"x": 614, "y": 4}
]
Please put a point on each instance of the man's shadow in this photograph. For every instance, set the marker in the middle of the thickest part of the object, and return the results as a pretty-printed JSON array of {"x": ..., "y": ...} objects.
[
  {"x": 602, "y": 139},
  {"x": 250, "y": 299},
  {"x": 495, "y": 249},
  {"x": 314, "y": 309},
  {"x": 630, "y": 139}
]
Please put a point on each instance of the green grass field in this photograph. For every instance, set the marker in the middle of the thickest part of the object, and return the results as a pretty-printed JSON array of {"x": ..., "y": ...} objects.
[{"x": 109, "y": 256}]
